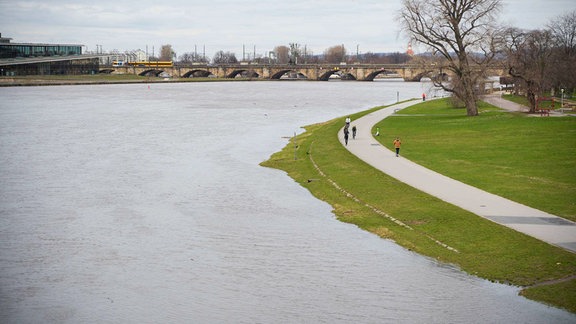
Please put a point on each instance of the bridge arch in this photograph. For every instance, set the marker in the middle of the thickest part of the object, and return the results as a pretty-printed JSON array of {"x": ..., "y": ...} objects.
[
  {"x": 151, "y": 72},
  {"x": 245, "y": 73},
  {"x": 326, "y": 75},
  {"x": 197, "y": 74},
  {"x": 418, "y": 77},
  {"x": 432, "y": 75},
  {"x": 343, "y": 75},
  {"x": 279, "y": 74},
  {"x": 371, "y": 76},
  {"x": 347, "y": 77}
]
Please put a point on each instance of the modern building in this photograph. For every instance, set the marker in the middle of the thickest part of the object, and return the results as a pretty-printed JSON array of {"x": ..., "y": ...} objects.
[
  {"x": 14, "y": 50},
  {"x": 42, "y": 59}
]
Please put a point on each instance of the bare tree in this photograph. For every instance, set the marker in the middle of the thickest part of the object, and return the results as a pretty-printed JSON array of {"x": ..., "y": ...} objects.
[
  {"x": 166, "y": 53},
  {"x": 455, "y": 29},
  {"x": 282, "y": 54},
  {"x": 309, "y": 57},
  {"x": 397, "y": 58},
  {"x": 193, "y": 58},
  {"x": 335, "y": 54},
  {"x": 186, "y": 57},
  {"x": 222, "y": 57},
  {"x": 530, "y": 56},
  {"x": 563, "y": 30},
  {"x": 295, "y": 52},
  {"x": 369, "y": 57}
]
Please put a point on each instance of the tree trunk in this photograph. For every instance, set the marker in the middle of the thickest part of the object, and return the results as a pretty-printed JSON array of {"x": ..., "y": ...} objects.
[
  {"x": 532, "y": 100},
  {"x": 471, "y": 107},
  {"x": 469, "y": 95},
  {"x": 531, "y": 90}
]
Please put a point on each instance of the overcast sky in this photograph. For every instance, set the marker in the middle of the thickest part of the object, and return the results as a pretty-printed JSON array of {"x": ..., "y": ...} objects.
[{"x": 366, "y": 25}]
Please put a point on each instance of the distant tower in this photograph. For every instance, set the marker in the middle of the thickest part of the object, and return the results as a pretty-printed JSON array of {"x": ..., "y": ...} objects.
[{"x": 410, "y": 52}]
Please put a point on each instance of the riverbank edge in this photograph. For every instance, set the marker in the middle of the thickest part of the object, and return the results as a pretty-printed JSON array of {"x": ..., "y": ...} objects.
[{"x": 540, "y": 291}]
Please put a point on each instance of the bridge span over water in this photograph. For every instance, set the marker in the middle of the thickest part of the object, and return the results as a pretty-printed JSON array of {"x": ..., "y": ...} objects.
[{"x": 319, "y": 72}]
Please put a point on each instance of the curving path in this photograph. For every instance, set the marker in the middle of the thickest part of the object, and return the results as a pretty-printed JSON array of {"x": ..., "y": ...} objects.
[{"x": 543, "y": 226}]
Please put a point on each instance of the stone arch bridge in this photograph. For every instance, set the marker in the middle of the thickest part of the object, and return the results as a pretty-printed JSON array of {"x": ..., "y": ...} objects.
[{"x": 318, "y": 72}]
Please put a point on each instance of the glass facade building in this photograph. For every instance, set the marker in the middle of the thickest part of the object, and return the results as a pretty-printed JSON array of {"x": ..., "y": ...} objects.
[
  {"x": 15, "y": 50},
  {"x": 42, "y": 59},
  {"x": 59, "y": 67}
]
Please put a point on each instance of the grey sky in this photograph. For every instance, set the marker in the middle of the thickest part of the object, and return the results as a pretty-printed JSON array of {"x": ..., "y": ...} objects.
[{"x": 229, "y": 24}]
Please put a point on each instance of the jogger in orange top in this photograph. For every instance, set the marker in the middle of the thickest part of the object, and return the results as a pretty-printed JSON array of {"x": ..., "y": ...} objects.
[{"x": 397, "y": 144}]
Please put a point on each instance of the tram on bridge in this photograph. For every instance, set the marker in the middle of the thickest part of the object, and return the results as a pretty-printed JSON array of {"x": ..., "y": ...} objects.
[{"x": 144, "y": 63}]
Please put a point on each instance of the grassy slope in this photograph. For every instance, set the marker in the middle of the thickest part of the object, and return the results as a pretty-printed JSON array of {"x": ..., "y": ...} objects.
[
  {"x": 528, "y": 160},
  {"x": 484, "y": 248}
]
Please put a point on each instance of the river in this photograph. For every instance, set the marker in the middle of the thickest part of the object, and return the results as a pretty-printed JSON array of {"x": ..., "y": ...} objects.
[{"x": 146, "y": 204}]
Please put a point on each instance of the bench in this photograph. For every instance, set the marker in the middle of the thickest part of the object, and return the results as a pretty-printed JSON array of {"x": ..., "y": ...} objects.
[{"x": 544, "y": 111}]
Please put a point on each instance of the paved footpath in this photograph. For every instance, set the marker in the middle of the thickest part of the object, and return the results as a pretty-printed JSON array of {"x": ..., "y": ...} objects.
[{"x": 546, "y": 227}]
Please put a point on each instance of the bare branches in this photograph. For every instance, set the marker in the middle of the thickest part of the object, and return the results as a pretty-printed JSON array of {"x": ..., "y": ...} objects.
[
  {"x": 543, "y": 60},
  {"x": 564, "y": 31},
  {"x": 458, "y": 30}
]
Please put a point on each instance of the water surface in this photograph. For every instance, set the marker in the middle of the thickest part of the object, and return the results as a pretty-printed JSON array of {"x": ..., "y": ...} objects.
[{"x": 146, "y": 204}]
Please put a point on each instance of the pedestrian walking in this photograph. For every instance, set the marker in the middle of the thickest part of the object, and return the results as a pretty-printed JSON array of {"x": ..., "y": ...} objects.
[
  {"x": 354, "y": 132},
  {"x": 348, "y": 120},
  {"x": 397, "y": 144},
  {"x": 424, "y": 97},
  {"x": 346, "y": 135}
]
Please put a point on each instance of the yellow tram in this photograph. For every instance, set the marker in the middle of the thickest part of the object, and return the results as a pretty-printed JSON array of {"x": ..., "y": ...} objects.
[{"x": 151, "y": 63}]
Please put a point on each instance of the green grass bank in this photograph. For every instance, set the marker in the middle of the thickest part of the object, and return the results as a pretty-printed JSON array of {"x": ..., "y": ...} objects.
[
  {"x": 531, "y": 160},
  {"x": 375, "y": 202}
]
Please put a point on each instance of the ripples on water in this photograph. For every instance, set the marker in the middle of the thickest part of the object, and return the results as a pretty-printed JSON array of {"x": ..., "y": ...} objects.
[{"x": 128, "y": 204}]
